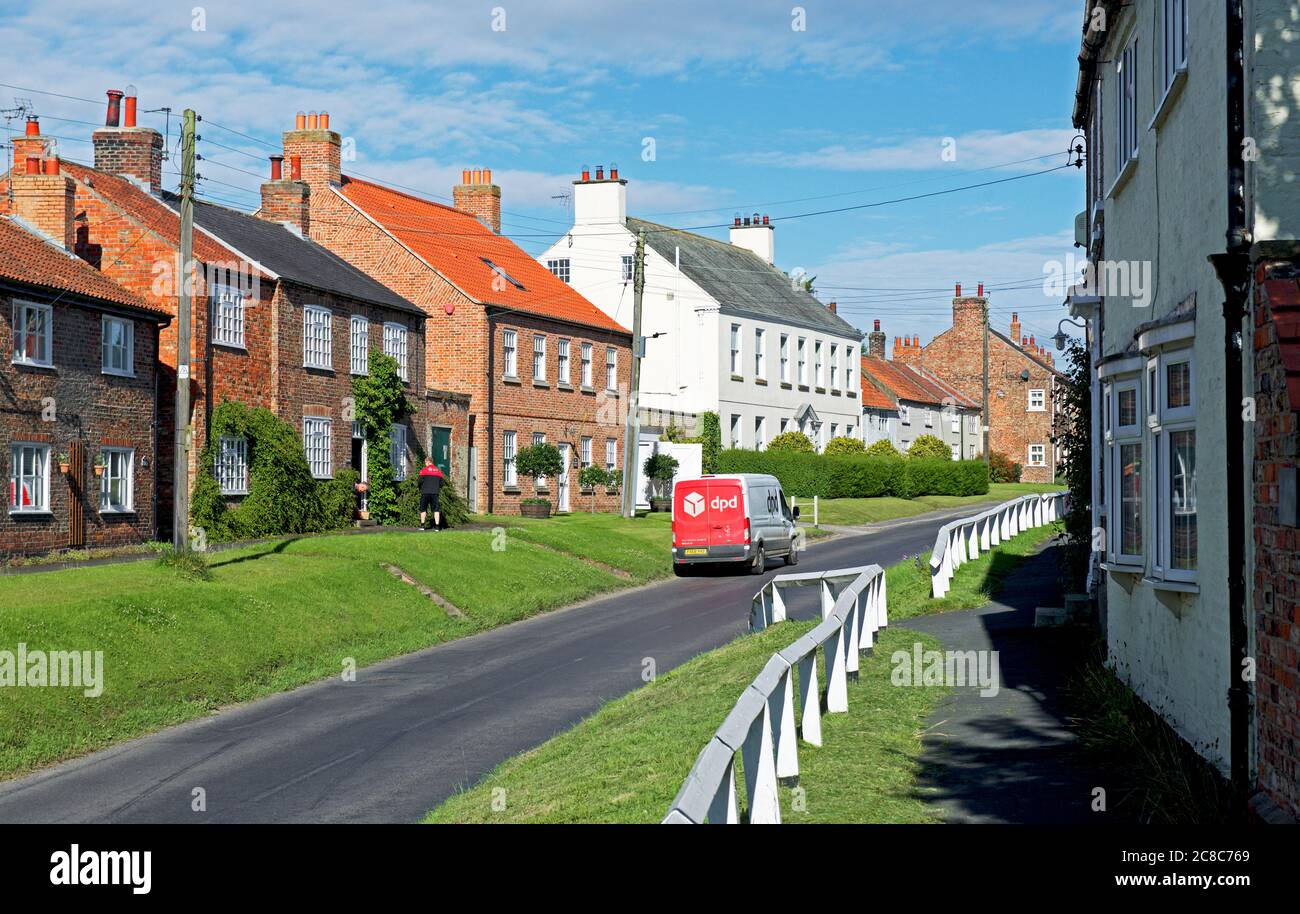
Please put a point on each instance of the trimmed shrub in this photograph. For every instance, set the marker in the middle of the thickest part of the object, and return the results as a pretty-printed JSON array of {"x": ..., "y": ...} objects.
[
  {"x": 945, "y": 477},
  {"x": 792, "y": 442},
  {"x": 883, "y": 448},
  {"x": 860, "y": 476},
  {"x": 928, "y": 447},
  {"x": 842, "y": 445},
  {"x": 1003, "y": 469},
  {"x": 710, "y": 440}
]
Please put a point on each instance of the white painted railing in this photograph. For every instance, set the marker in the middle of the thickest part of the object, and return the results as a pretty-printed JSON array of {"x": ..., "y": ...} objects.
[
  {"x": 964, "y": 539},
  {"x": 761, "y": 726}
]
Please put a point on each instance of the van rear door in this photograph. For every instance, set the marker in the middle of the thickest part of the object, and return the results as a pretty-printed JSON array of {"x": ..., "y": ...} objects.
[
  {"x": 691, "y": 513},
  {"x": 726, "y": 509}
]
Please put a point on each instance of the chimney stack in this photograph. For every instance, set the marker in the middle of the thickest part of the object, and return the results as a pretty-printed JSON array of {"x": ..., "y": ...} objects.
[
  {"x": 478, "y": 196},
  {"x": 46, "y": 199},
  {"x": 968, "y": 312},
  {"x": 318, "y": 150},
  {"x": 286, "y": 202},
  {"x": 132, "y": 152},
  {"x": 909, "y": 351},
  {"x": 600, "y": 202},
  {"x": 31, "y": 143},
  {"x": 832, "y": 306},
  {"x": 876, "y": 342},
  {"x": 1015, "y": 326},
  {"x": 757, "y": 234}
]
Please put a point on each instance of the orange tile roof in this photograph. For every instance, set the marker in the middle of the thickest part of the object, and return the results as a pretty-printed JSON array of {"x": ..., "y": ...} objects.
[
  {"x": 872, "y": 396},
  {"x": 456, "y": 244},
  {"x": 907, "y": 383},
  {"x": 148, "y": 210},
  {"x": 31, "y": 260}
]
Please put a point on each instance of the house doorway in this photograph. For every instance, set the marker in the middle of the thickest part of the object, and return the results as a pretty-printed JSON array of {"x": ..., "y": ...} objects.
[{"x": 566, "y": 455}]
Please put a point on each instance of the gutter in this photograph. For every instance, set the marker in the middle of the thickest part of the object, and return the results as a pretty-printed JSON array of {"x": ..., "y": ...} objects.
[{"x": 1089, "y": 56}]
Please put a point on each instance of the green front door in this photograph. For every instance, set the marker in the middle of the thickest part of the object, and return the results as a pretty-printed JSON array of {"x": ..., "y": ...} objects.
[{"x": 440, "y": 447}]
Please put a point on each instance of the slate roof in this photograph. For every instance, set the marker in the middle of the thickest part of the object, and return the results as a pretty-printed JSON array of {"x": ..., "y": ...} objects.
[
  {"x": 465, "y": 251},
  {"x": 740, "y": 281},
  {"x": 31, "y": 260},
  {"x": 293, "y": 257}
]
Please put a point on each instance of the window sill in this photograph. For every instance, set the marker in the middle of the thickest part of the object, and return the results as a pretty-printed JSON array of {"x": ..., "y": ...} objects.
[
  {"x": 785, "y": 385},
  {"x": 1036, "y": 409},
  {"x": 563, "y": 386},
  {"x": 17, "y": 363},
  {"x": 511, "y": 490},
  {"x": 39, "y": 514},
  {"x": 803, "y": 387},
  {"x": 117, "y": 512},
  {"x": 611, "y": 391},
  {"x": 1123, "y": 177},
  {"x": 322, "y": 368},
  {"x": 243, "y": 492},
  {"x": 737, "y": 377},
  {"x": 761, "y": 381},
  {"x": 1172, "y": 586},
  {"x": 234, "y": 347},
  {"x": 1167, "y": 102},
  {"x": 1119, "y": 568},
  {"x": 509, "y": 379},
  {"x": 850, "y": 393},
  {"x": 587, "y": 389},
  {"x": 118, "y": 374},
  {"x": 820, "y": 390},
  {"x": 543, "y": 384}
]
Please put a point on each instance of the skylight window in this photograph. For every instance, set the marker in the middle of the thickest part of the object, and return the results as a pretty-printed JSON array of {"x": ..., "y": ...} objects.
[{"x": 500, "y": 271}]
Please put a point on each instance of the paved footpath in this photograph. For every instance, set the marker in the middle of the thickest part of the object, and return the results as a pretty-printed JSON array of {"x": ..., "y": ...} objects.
[
  {"x": 1009, "y": 757},
  {"x": 412, "y": 730}
]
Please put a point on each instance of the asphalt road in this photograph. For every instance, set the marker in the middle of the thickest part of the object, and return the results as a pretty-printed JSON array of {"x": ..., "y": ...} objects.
[{"x": 411, "y": 731}]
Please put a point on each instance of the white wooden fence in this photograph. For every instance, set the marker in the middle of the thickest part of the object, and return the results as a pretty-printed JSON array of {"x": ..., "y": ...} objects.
[
  {"x": 963, "y": 540},
  {"x": 761, "y": 726}
]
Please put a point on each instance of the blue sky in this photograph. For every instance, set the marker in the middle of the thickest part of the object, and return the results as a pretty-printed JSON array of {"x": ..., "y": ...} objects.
[{"x": 745, "y": 112}]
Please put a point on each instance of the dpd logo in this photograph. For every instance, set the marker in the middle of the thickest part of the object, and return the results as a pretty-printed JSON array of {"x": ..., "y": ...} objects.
[{"x": 693, "y": 504}]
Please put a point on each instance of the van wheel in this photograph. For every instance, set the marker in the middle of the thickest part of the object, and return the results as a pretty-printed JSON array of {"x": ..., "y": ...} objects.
[
  {"x": 759, "y": 565},
  {"x": 792, "y": 557}
]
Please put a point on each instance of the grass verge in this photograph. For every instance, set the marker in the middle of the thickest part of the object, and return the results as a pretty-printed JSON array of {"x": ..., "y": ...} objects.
[
  {"x": 626, "y": 762},
  {"x": 858, "y": 511}
]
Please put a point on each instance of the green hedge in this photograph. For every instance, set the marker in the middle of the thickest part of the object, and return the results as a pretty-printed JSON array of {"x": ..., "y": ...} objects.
[{"x": 806, "y": 475}]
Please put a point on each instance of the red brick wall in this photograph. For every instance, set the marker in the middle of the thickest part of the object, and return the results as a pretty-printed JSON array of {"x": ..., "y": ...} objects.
[
  {"x": 957, "y": 356},
  {"x": 87, "y": 406},
  {"x": 134, "y": 151},
  {"x": 1276, "y": 591}
]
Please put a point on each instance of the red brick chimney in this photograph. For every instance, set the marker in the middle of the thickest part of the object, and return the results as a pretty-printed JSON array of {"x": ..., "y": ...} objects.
[
  {"x": 46, "y": 199},
  {"x": 319, "y": 150},
  {"x": 31, "y": 143},
  {"x": 1015, "y": 326},
  {"x": 122, "y": 148},
  {"x": 478, "y": 196},
  {"x": 908, "y": 351},
  {"x": 968, "y": 310},
  {"x": 832, "y": 306},
  {"x": 876, "y": 342},
  {"x": 285, "y": 200}
]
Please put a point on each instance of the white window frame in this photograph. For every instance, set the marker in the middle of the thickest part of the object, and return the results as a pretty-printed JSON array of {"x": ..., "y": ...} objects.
[
  {"x": 231, "y": 465},
  {"x": 396, "y": 337},
  {"x": 1029, "y": 455},
  {"x": 835, "y": 368},
  {"x": 928, "y": 415},
  {"x": 228, "y": 317},
  {"x": 1165, "y": 421},
  {"x": 848, "y": 367},
  {"x": 1173, "y": 46},
  {"x": 539, "y": 356},
  {"x": 760, "y": 354},
  {"x": 955, "y": 424},
  {"x": 1119, "y": 437},
  {"x": 760, "y": 432},
  {"x": 509, "y": 448},
  {"x": 735, "y": 430},
  {"x": 20, "y": 356},
  {"x": 586, "y": 354},
  {"x": 397, "y": 450},
  {"x": 735, "y": 350},
  {"x": 611, "y": 454},
  {"x": 108, "y": 454},
  {"x": 802, "y": 353},
  {"x": 1036, "y": 404},
  {"x": 318, "y": 444},
  {"x": 40, "y": 476},
  {"x": 562, "y": 360},
  {"x": 611, "y": 368},
  {"x": 359, "y": 345},
  {"x": 1126, "y": 133},
  {"x": 539, "y": 482},
  {"x": 510, "y": 353},
  {"x": 784, "y": 356},
  {"x": 561, "y": 267},
  {"x": 584, "y": 451},
  {"x": 127, "y": 348},
  {"x": 819, "y": 365},
  {"x": 629, "y": 268},
  {"x": 317, "y": 342},
  {"x": 904, "y": 414}
]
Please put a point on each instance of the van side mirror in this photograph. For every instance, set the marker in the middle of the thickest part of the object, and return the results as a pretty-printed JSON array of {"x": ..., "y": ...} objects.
[{"x": 795, "y": 512}]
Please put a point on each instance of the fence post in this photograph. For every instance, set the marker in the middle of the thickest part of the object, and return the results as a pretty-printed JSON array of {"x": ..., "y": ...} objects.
[
  {"x": 810, "y": 701},
  {"x": 837, "y": 695},
  {"x": 724, "y": 809},
  {"x": 781, "y": 707},
  {"x": 756, "y": 752},
  {"x": 851, "y": 637},
  {"x": 816, "y": 522},
  {"x": 828, "y": 598}
]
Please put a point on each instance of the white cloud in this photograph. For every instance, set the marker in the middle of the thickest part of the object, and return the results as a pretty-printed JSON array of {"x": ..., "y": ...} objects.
[{"x": 977, "y": 149}]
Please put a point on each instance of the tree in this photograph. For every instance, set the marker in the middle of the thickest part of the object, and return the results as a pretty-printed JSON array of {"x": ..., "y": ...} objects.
[
  {"x": 590, "y": 478},
  {"x": 1003, "y": 469},
  {"x": 883, "y": 448},
  {"x": 1076, "y": 444},
  {"x": 539, "y": 461},
  {"x": 792, "y": 442},
  {"x": 381, "y": 403},
  {"x": 660, "y": 468},
  {"x": 710, "y": 441},
  {"x": 928, "y": 447},
  {"x": 842, "y": 445}
]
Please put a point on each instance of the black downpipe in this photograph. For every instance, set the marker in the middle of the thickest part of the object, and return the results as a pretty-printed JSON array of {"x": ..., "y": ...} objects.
[
  {"x": 491, "y": 408},
  {"x": 1233, "y": 268}
]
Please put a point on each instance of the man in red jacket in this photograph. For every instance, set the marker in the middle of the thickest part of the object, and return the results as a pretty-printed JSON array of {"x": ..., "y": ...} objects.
[{"x": 431, "y": 480}]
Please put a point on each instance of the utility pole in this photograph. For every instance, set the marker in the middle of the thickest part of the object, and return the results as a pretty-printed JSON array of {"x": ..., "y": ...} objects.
[
  {"x": 984, "y": 419},
  {"x": 632, "y": 431},
  {"x": 184, "y": 432}
]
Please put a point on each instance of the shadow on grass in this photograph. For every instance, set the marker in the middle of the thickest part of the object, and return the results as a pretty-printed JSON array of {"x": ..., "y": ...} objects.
[{"x": 272, "y": 549}]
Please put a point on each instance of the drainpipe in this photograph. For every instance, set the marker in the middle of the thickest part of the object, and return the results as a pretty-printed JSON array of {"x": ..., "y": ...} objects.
[
  {"x": 491, "y": 409},
  {"x": 1233, "y": 269}
]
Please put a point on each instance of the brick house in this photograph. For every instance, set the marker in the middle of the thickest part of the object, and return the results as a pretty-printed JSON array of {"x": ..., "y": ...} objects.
[
  {"x": 272, "y": 323},
  {"x": 79, "y": 385},
  {"x": 516, "y": 355},
  {"x": 1023, "y": 382}
]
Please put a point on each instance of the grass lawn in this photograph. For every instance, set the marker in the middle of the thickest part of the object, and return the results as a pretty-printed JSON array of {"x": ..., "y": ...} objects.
[
  {"x": 626, "y": 762},
  {"x": 856, "y": 511},
  {"x": 277, "y": 615}
]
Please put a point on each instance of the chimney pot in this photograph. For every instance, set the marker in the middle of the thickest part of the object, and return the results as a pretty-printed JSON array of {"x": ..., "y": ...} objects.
[
  {"x": 613, "y": 172},
  {"x": 1031, "y": 342},
  {"x": 324, "y": 120},
  {"x": 1024, "y": 342},
  {"x": 765, "y": 218},
  {"x": 276, "y": 167},
  {"x": 600, "y": 172},
  {"x": 295, "y": 167},
  {"x": 898, "y": 341},
  {"x": 737, "y": 222},
  {"x": 33, "y": 165},
  {"x": 958, "y": 295},
  {"x": 916, "y": 341},
  {"x": 114, "y": 108},
  {"x": 877, "y": 327},
  {"x": 487, "y": 176},
  {"x": 33, "y": 126},
  {"x": 312, "y": 120},
  {"x": 300, "y": 121},
  {"x": 465, "y": 175},
  {"x": 52, "y": 165},
  {"x": 981, "y": 290},
  {"x": 586, "y": 172},
  {"x": 832, "y": 306}
]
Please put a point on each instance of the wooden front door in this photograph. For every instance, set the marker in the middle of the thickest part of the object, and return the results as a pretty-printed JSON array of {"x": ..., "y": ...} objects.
[{"x": 77, "y": 494}]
